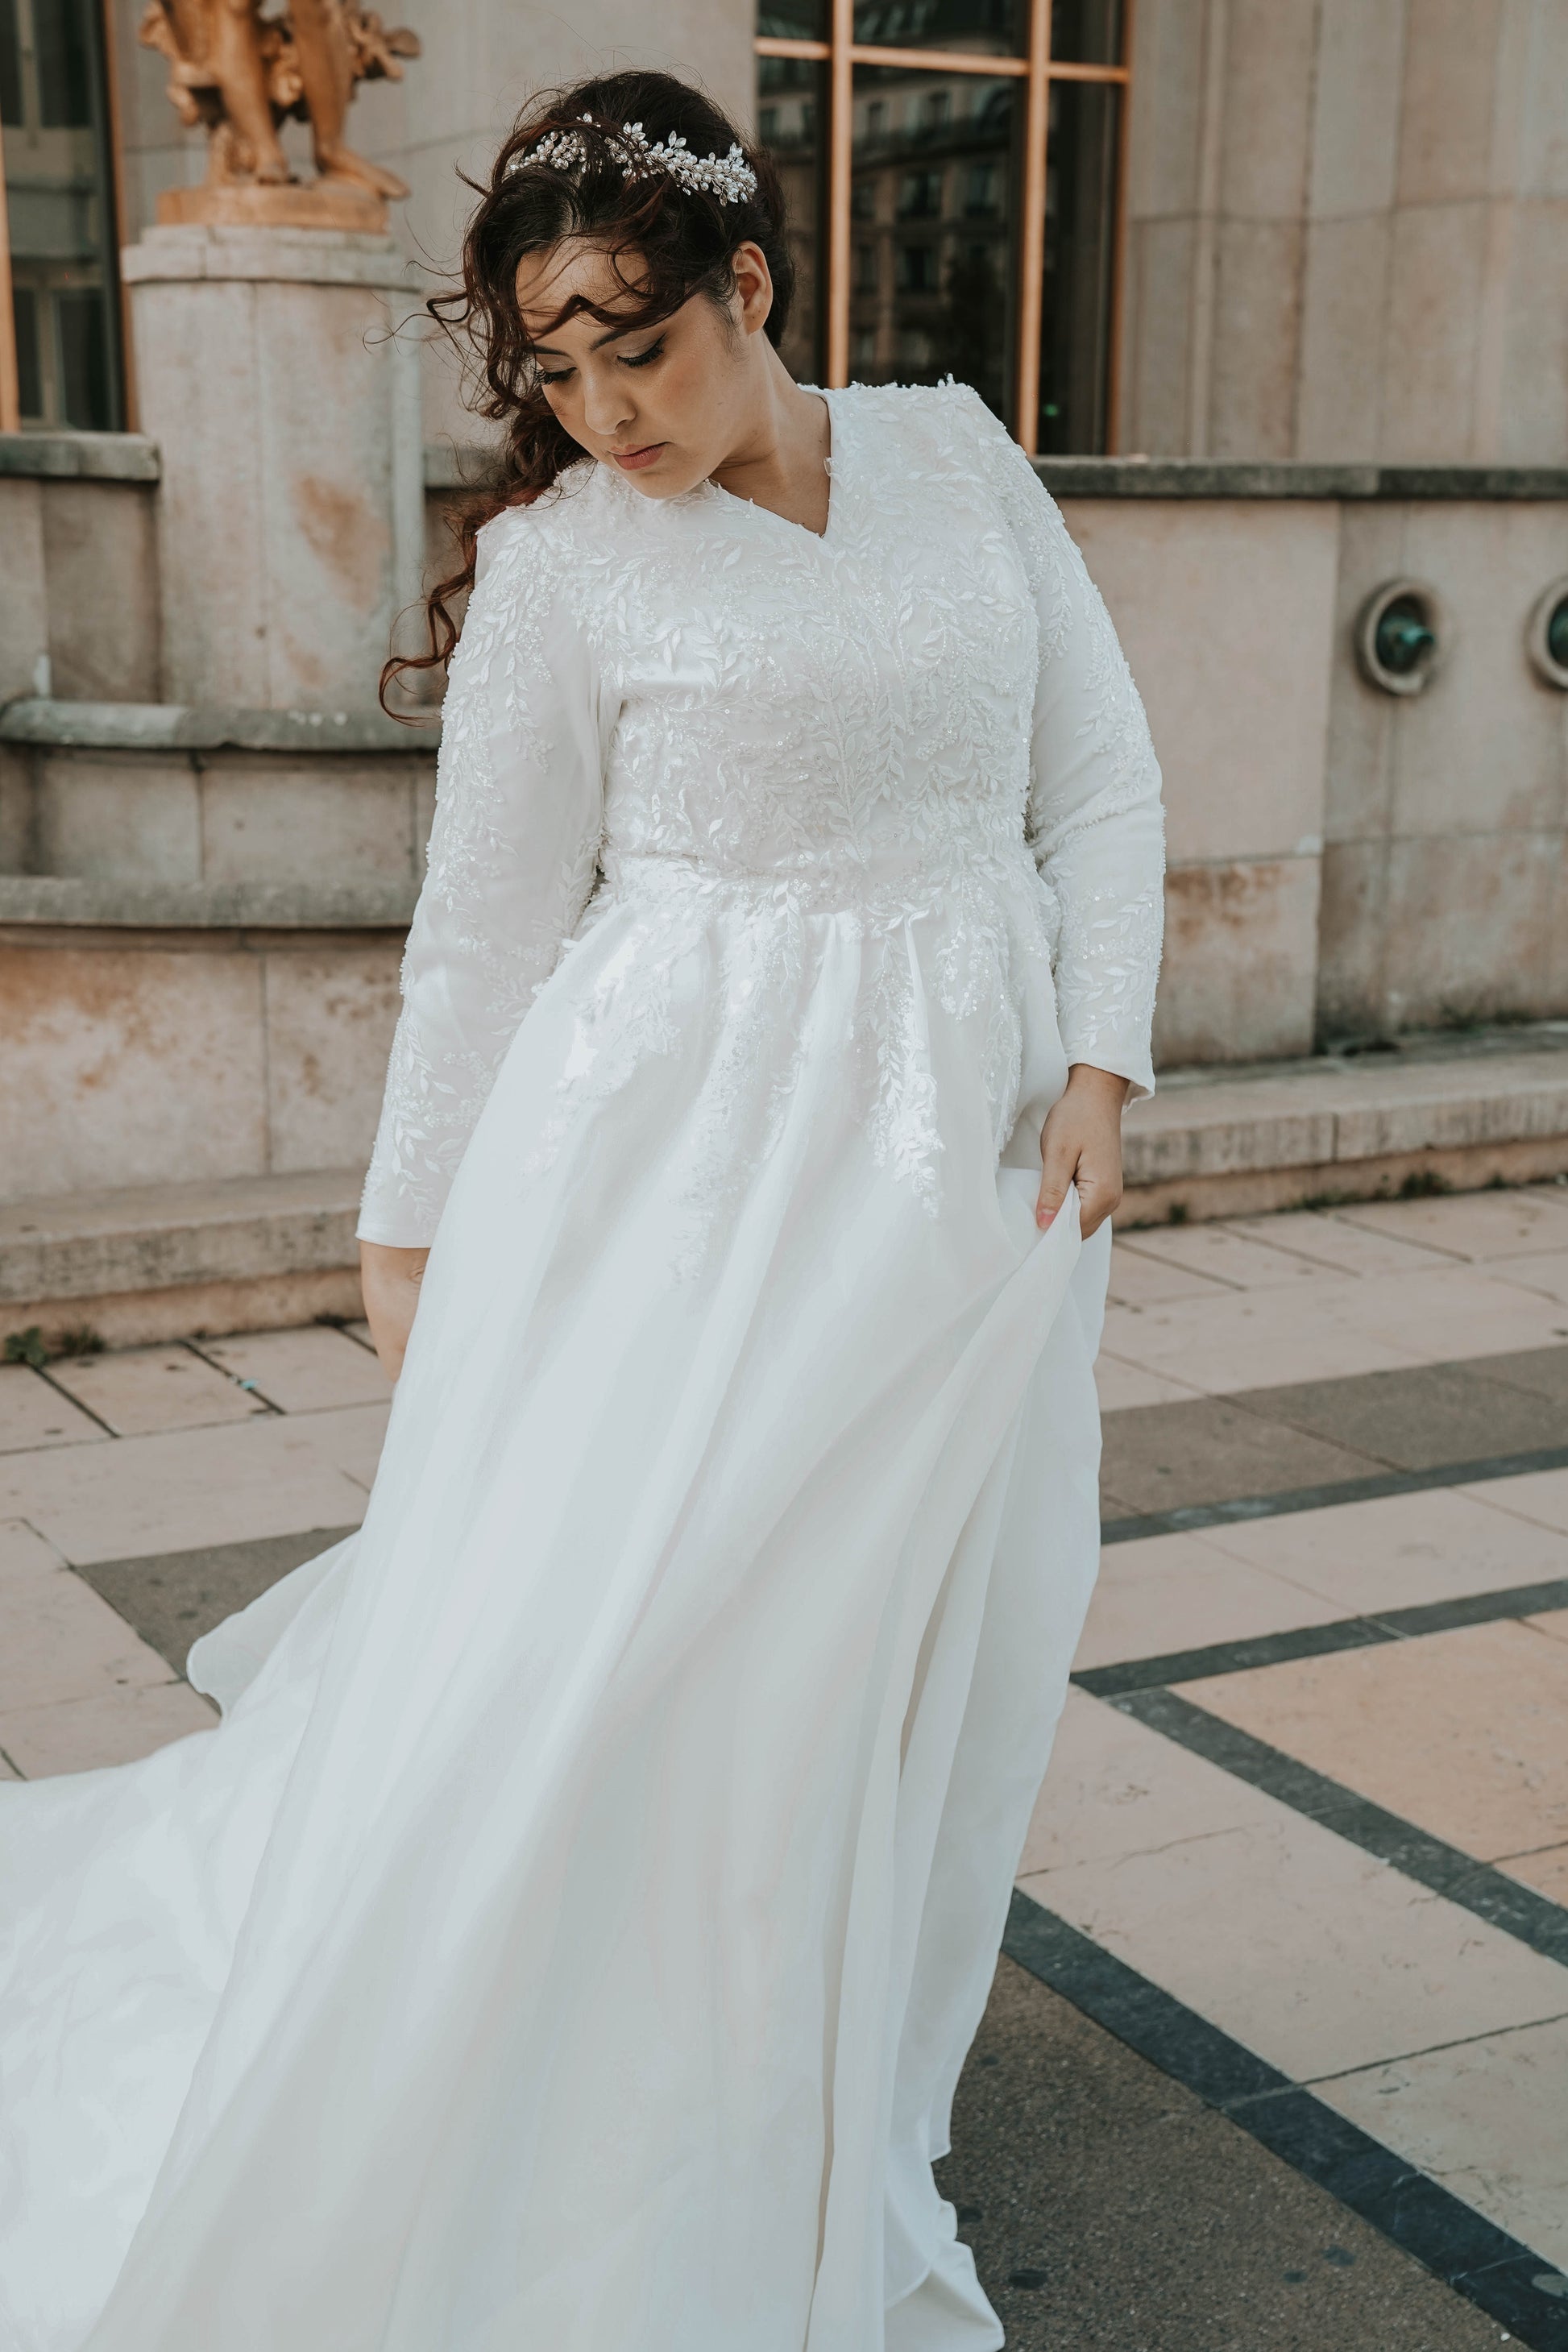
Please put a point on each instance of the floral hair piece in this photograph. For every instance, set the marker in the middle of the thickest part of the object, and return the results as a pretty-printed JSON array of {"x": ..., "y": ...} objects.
[{"x": 729, "y": 177}]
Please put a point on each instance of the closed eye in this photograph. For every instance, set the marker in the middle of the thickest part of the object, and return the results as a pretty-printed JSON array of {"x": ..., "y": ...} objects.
[{"x": 628, "y": 359}]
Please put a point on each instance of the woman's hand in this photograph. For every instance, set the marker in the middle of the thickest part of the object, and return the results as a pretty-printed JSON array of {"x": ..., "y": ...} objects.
[
  {"x": 390, "y": 1280},
  {"x": 1080, "y": 1144}
]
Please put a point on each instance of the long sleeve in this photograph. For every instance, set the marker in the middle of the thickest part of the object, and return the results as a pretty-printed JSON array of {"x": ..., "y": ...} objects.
[
  {"x": 1096, "y": 824},
  {"x": 513, "y": 853}
]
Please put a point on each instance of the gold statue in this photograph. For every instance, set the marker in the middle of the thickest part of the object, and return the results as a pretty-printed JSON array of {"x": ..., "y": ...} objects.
[{"x": 243, "y": 74}]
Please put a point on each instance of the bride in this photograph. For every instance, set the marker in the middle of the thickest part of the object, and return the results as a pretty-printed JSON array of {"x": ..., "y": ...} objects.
[{"x": 569, "y": 1939}]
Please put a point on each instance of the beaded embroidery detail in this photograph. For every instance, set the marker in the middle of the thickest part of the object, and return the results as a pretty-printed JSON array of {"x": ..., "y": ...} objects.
[{"x": 729, "y": 177}]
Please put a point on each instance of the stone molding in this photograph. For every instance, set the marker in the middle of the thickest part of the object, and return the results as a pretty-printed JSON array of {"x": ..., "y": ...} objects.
[
  {"x": 464, "y": 466},
  {"x": 316, "y": 256},
  {"x": 213, "y": 727},
  {"x": 43, "y": 901},
  {"x": 149, "y": 1237},
  {"x": 80, "y": 457},
  {"x": 1238, "y": 477}
]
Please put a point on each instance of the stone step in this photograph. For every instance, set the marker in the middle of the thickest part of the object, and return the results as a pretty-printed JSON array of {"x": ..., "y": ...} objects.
[
  {"x": 256, "y": 1253},
  {"x": 1430, "y": 1114},
  {"x": 167, "y": 1260}
]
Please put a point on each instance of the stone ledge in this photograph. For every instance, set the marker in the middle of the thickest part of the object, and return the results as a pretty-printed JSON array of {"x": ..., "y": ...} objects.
[
  {"x": 466, "y": 466},
  {"x": 1216, "y": 1144},
  {"x": 163, "y": 1236},
  {"x": 41, "y": 900},
  {"x": 1239, "y": 478},
  {"x": 80, "y": 457},
  {"x": 59, "y": 725},
  {"x": 180, "y": 252}
]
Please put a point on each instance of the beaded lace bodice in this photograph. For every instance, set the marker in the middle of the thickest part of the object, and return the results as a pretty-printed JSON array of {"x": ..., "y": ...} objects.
[{"x": 694, "y": 707}]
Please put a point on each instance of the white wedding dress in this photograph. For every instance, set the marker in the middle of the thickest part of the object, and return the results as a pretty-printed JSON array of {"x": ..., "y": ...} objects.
[{"x": 570, "y": 1938}]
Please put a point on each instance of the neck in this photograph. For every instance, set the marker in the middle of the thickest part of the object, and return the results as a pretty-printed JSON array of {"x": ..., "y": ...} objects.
[{"x": 779, "y": 457}]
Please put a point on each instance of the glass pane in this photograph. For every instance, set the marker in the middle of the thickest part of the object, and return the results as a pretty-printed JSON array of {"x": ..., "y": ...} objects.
[
  {"x": 84, "y": 361},
  {"x": 10, "y": 63},
  {"x": 932, "y": 228},
  {"x": 61, "y": 33},
  {"x": 1081, "y": 224},
  {"x": 792, "y": 108},
  {"x": 990, "y": 28},
  {"x": 29, "y": 380},
  {"x": 791, "y": 20},
  {"x": 59, "y": 198},
  {"x": 1087, "y": 32}
]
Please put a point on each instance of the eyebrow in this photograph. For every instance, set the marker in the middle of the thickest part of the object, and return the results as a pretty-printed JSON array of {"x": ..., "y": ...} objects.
[{"x": 554, "y": 351}]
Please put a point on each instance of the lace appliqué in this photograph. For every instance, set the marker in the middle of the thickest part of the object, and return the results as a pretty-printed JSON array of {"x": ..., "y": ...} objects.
[
  {"x": 1105, "y": 972},
  {"x": 486, "y": 932},
  {"x": 749, "y": 952}
]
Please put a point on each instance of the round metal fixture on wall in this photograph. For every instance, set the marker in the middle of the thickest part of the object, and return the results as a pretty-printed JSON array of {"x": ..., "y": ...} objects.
[
  {"x": 1547, "y": 636},
  {"x": 1399, "y": 636}
]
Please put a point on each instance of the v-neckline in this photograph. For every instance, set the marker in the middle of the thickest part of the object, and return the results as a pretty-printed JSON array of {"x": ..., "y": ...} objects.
[{"x": 832, "y": 462}]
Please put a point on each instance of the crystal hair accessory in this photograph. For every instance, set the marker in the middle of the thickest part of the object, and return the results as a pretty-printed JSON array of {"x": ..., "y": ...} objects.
[{"x": 729, "y": 177}]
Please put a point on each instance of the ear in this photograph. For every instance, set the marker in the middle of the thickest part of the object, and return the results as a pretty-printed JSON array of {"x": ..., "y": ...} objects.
[{"x": 754, "y": 286}]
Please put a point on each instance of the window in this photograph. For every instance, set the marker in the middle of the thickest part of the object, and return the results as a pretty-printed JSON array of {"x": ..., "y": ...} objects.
[
  {"x": 920, "y": 197},
  {"x": 917, "y": 269},
  {"x": 60, "y": 363},
  {"x": 980, "y": 191},
  {"x": 998, "y": 127}
]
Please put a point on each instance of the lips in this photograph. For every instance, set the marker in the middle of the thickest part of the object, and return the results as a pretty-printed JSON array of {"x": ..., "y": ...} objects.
[{"x": 631, "y": 461}]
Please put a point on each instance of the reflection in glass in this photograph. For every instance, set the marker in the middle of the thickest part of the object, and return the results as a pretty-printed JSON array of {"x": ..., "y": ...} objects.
[
  {"x": 1087, "y": 32},
  {"x": 792, "y": 107},
  {"x": 1080, "y": 213},
  {"x": 58, "y": 193},
  {"x": 933, "y": 204},
  {"x": 990, "y": 28},
  {"x": 791, "y": 20},
  {"x": 10, "y": 63}
]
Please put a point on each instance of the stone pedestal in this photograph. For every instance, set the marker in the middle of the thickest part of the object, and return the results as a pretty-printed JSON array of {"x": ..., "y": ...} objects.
[{"x": 285, "y": 406}]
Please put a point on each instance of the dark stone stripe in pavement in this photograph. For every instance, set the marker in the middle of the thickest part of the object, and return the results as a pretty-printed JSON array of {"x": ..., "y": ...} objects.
[
  {"x": 1192, "y": 1516},
  {"x": 1518, "y": 1911},
  {"x": 172, "y": 1597},
  {"x": 1309, "y": 1437},
  {"x": 1322, "y": 1641},
  {"x": 1112, "y": 2207},
  {"x": 1492, "y": 2270}
]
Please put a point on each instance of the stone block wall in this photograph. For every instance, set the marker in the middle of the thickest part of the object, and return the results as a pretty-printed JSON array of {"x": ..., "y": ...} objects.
[
  {"x": 1346, "y": 864},
  {"x": 171, "y": 1054},
  {"x": 1444, "y": 875}
]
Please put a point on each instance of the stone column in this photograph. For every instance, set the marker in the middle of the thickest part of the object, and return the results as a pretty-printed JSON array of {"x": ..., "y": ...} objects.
[{"x": 285, "y": 406}]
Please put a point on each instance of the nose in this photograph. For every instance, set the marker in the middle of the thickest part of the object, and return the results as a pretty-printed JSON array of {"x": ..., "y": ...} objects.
[{"x": 606, "y": 404}]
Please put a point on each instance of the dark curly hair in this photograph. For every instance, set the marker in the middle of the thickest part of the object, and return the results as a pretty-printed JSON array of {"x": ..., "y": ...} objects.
[{"x": 666, "y": 243}]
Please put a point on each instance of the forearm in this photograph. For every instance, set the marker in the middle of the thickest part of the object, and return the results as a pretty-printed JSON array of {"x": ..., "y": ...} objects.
[{"x": 389, "y": 1281}]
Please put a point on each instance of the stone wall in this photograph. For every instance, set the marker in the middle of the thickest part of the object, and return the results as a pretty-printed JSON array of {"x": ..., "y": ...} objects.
[
  {"x": 1345, "y": 863},
  {"x": 1348, "y": 231}
]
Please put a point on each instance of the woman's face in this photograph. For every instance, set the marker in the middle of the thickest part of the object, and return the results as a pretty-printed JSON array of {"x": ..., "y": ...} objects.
[{"x": 666, "y": 405}]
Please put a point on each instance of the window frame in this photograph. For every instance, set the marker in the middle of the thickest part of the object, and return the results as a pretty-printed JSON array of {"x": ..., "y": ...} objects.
[
  {"x": 122, "y": 371},
  {"x": 841, "y": 53}
]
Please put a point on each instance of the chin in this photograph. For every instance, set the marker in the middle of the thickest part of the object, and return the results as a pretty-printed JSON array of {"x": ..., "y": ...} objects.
[{"x": 662, "y": 481}]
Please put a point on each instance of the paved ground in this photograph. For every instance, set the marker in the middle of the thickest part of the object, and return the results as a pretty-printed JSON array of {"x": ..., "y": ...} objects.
[{"x": 1282, "y": 2041}]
